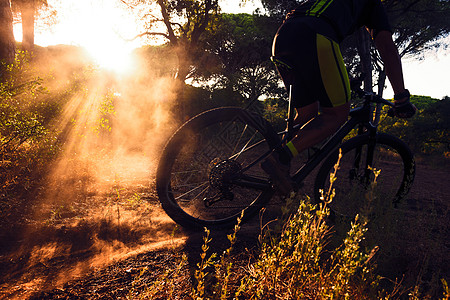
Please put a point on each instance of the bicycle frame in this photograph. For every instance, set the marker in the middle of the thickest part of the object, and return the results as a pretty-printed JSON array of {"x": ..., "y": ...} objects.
[{"x": 360, "y": 118}]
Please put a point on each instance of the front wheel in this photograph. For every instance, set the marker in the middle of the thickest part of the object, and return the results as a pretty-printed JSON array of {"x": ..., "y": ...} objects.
[
  {"x": 358, "y": 190},
  {"x": 209, "y": 170}
]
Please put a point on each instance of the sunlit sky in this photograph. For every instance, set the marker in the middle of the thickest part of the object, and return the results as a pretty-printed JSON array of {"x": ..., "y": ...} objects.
[{"x": 102, "y": 27}]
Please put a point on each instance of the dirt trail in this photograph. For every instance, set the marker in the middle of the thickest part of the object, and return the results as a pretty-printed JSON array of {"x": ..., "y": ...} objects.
[{"x": 100, "y": 254}]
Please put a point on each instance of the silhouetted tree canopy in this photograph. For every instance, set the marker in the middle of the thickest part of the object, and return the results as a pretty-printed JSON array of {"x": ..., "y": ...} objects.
[
  {"x": 241, "y": 47},
  {"x": 181, "y": 24},
  {"x": 418, "y": 25}
]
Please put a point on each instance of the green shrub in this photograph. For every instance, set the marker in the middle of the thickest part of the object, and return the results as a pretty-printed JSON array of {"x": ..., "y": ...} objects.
[
  {"x": 428, "y": 131},
  {"x": 27, "y": 142},
  {"x": 293, "y": 263},
  {"x": 19, "y": 119}
]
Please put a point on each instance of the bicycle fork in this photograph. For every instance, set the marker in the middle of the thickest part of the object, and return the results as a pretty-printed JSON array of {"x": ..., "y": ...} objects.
[{"x": 368, "y": 162}]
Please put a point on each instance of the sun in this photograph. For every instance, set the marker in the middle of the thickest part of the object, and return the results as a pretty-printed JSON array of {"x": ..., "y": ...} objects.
[
  {"x": 102, "y": 31},
  {"x": 102, "y": 27},
  {"x": 108, "y": 49}
]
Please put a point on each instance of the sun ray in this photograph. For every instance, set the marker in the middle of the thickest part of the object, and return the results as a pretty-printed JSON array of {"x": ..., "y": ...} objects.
[{"x": 101, "y": 27}]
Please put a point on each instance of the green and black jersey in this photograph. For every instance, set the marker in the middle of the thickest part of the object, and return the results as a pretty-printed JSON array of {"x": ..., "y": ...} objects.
[
  {"x": 308, "y": 43},
  {"x": 345, "y": 16}
]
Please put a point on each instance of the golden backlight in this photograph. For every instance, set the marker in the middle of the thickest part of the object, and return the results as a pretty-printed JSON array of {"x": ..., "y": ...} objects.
[
  {"x": 101, "y": 30},
  {"x": 106, "y": 47},
  {"x": 103, "y": 27}
]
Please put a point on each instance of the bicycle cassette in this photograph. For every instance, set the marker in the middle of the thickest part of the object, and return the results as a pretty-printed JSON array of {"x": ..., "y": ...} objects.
[{"x": 223, "y": 172}]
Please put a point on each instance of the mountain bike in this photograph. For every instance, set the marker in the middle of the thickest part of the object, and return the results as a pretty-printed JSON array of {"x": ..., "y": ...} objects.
[{"x": 209, "y": 171}]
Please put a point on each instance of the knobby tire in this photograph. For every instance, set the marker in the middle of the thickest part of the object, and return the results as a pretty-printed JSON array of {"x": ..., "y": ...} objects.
[
  {"x": 355, "y": 191},
  {"x": 196, "y": 177}
]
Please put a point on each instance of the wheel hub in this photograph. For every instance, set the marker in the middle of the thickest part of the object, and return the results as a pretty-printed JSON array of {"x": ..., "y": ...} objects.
[{"x": 222, "y": 172}]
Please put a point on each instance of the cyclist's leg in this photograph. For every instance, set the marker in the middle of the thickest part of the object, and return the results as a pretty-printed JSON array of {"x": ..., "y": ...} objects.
[
  {"x": 330, "y": 85},
  {"x": 320, "y": 127},
  {"x": 307, "y": 114},
  {"x": 318, "y": 76},
  {"x": 295, "y": 46}
]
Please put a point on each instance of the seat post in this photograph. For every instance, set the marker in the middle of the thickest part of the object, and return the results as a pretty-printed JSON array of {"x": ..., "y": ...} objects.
[
  {"x": 290, "y": 116},
  {"x": 283, "y": 65}
]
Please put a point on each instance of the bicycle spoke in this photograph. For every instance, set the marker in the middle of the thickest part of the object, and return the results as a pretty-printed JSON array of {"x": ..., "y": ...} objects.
[
  {"x": 237, "y": 142},
  {"x": 245, "y": 146},
  {"x": 248, "y": 148},
  {"x": 205, "y": 184},
  {"x": 211, "y": 170}
]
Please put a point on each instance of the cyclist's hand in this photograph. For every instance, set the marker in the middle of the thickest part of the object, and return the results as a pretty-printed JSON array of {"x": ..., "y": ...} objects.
[{"x": 404, "y": 109}]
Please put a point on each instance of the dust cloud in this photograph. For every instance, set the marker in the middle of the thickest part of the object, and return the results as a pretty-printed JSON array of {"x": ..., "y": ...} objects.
[{"x": 99, "y": 203}]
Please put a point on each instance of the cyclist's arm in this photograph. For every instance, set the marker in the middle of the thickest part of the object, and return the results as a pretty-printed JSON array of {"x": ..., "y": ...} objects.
[{"x": 392, "y": 62}]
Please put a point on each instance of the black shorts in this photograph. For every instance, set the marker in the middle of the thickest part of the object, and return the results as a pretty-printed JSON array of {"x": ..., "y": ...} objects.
[{"x": 315, "y": 69}]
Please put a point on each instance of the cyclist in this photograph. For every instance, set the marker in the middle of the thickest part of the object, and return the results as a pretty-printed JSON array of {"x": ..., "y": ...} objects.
[{"x": 306, "y": 52}]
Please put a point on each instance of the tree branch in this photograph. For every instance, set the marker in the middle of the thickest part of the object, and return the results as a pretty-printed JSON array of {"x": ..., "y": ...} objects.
[
  {"x": 148, "y": 33},
  {"x": 166, "y": 18}
]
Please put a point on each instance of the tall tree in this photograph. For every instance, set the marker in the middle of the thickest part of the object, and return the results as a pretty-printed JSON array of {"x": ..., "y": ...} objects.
[
  {"x": 28, "y": 10},
  {"x": 181, "y": 23},
  {"x": 418, "y": 26},
  {"x": 7, "y": 42},
  {"x": 241, "y": 45},
  {"x": 278, "y": 8}
]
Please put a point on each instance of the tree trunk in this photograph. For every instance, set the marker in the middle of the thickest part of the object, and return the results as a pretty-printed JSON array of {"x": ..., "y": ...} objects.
[
  {"x": 7, "y": 42},
  {"x": 27, "y": 10}
]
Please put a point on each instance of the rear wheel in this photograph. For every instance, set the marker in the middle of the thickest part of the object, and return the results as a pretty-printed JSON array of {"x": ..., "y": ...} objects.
[
  {"x": 356, "y": 191},
  {"x": 209, "y": 170}
]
